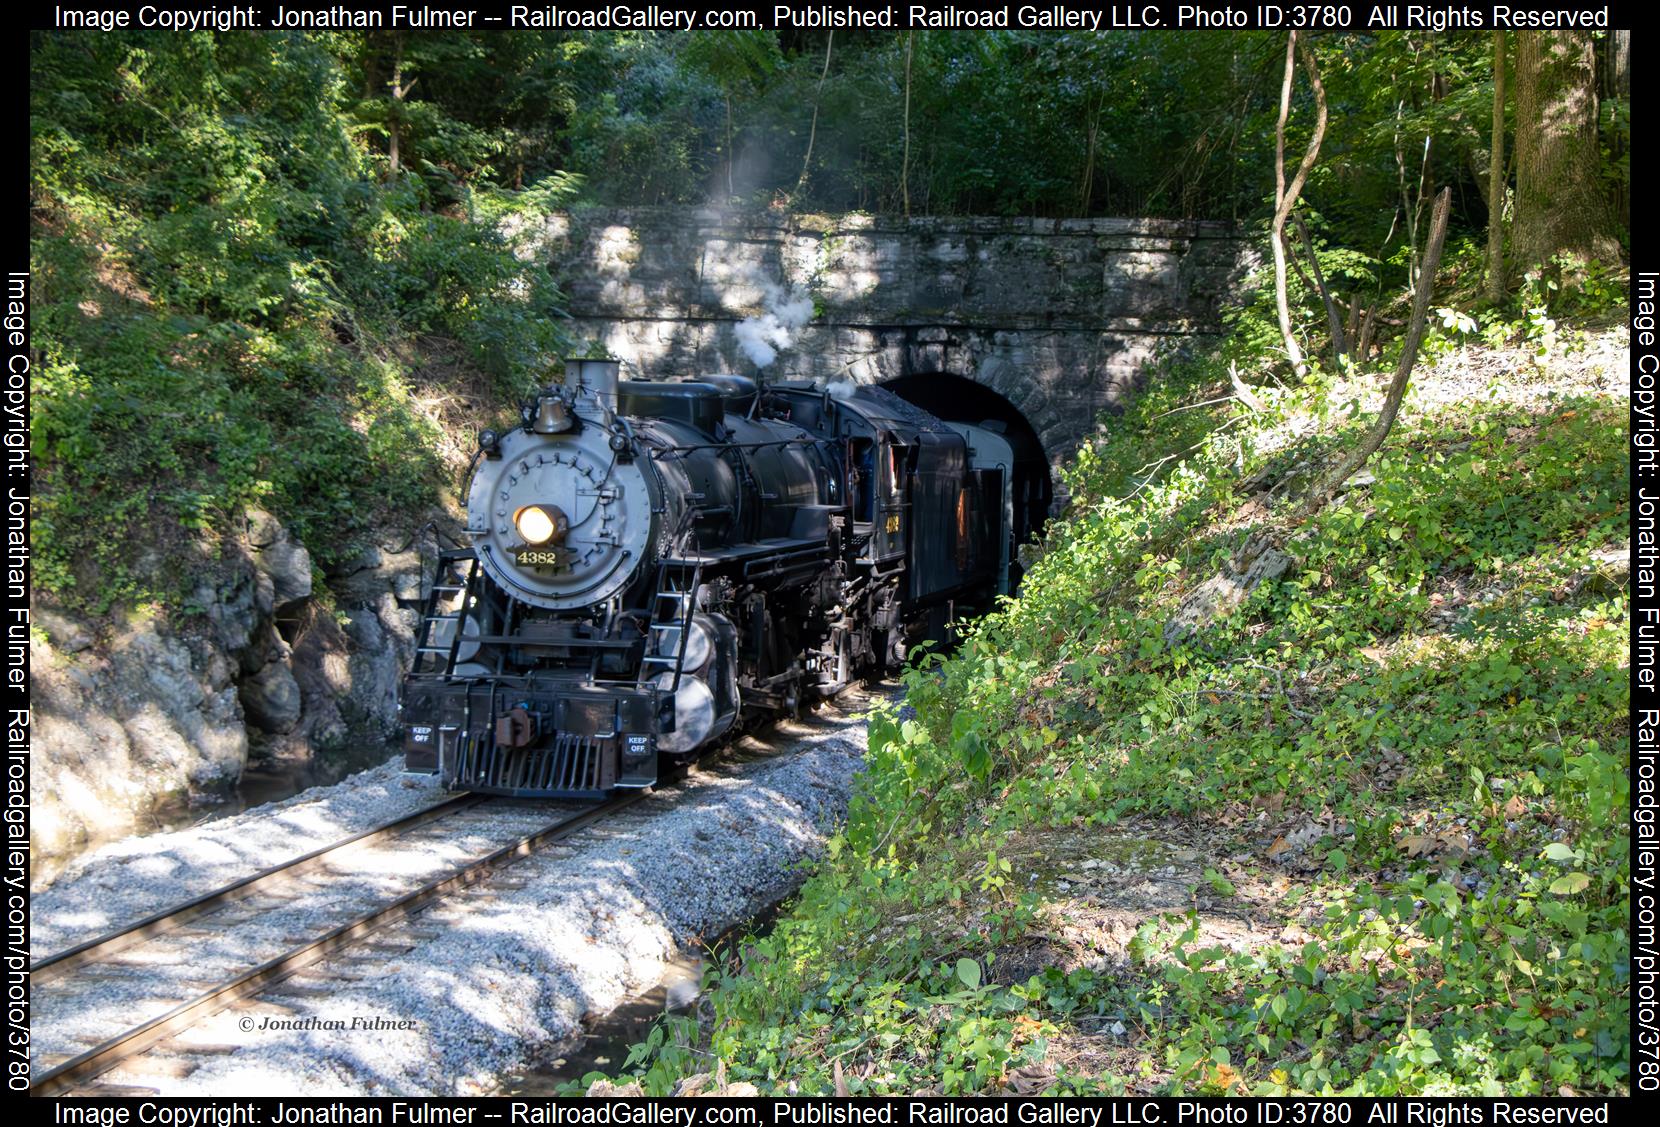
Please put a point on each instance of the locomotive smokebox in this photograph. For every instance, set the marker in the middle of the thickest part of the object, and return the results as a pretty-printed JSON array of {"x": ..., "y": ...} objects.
[{"x": 600, "y": 377}]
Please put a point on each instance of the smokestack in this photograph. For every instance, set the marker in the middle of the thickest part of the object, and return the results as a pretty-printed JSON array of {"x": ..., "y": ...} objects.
[{"x": 598, "y": 376}]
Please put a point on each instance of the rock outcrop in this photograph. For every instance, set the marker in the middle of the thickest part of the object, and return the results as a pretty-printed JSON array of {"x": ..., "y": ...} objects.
[
  {"x": 1257, "y": 562},
  {"x": 163, "y": 708},
  {"x": 151, "y": 717}
]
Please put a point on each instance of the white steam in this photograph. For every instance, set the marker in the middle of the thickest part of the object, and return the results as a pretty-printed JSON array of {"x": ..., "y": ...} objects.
[
  {"x": 842, "y": 388},
  {"x": 763, "y": 336}
]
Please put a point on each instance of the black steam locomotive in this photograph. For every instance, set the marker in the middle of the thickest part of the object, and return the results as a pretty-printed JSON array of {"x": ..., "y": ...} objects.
[{"x": 654, "y": 563}]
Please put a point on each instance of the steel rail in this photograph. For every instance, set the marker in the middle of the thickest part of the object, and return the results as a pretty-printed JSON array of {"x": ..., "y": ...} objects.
[
  {"x": 162, "y": 922},
  {"x": 101, "y": 1058}
]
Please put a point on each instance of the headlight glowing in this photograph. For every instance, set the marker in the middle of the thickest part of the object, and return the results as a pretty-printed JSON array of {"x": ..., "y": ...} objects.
[{"x": 535, "y": 525}]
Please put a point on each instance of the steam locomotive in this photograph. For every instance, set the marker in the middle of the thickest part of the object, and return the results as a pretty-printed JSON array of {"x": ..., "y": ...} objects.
[{"x": 654, "y": 564}]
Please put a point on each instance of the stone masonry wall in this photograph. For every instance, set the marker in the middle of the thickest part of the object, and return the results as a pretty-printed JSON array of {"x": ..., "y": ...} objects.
[{"x": 1057, "y": 316}]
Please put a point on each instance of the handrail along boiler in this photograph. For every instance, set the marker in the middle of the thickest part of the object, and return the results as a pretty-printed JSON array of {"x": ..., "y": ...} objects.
[{"x": 653, "y": 563}]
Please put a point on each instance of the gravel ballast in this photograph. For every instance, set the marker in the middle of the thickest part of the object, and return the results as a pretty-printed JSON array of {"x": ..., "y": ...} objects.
[
  {"x": 134, "y": 877},
  {"x": 486, "y": 982},
  {"x": 78, "y": 1009}
]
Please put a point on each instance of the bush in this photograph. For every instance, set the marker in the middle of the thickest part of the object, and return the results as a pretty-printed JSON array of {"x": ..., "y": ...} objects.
[
  {"x": 1432, "y": 686},
  {"x": 230, "y": 306}
]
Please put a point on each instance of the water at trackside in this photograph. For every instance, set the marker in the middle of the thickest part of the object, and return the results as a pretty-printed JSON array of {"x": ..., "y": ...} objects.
[
  {"x": 605, "y": 1044},
  {"x": 262, "y": 781}
]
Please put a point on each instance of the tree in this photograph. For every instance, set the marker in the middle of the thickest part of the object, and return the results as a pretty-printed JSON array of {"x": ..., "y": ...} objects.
[
  {"x": 1495, "y": 181},
  {"x": 1346, "y": 468},
  {"x": 905, "y": 158},
  {"x": 400, "y": 92},
  {"x": 1614, "y": 88},
  {"x": 1285, "y": 197},
  {"x": 1560, "y": 205},
  {"x": 812, "y": 133},
  {"x": 738, "y": 62}
]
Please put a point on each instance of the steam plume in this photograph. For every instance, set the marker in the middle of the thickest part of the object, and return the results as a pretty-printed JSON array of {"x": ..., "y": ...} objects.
[{"x": 763, "y": 336}]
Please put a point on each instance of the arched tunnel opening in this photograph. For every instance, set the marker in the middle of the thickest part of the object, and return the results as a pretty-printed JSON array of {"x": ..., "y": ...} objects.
[{"x": 958, "y": 400}]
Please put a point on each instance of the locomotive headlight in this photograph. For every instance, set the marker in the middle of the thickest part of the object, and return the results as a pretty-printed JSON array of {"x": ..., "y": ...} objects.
[{"x": 536, "y": 525}]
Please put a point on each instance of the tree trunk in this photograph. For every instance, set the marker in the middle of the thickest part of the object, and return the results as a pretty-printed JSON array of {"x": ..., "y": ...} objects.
[
  {"x": 1285, "y": 196},
  {"x": 1093, "y": 131},
  {"x": 1403, "y": 370},
  {"x": 729, "y": 190},
  {"x": 1614, "y": 82},
  {"x": 394, "y": 118},
  {"x": 1495, "y": 181},
  {"x": 905, "y": 158},
  {"x": 1368, "y": 326},
  {"x": 392, "y": 122},
  {"x": 394, "y": 126},
  {"x": 1560, "y": 207},
  {"x": 812, "y": 133},
  {"x": 1616, "y": 64},
  {"x": 1334, "y": 322}
]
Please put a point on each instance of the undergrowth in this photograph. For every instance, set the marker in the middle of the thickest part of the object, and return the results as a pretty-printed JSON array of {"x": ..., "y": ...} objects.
[
  {"x": 1435, "y": 690},
  {"x": 233, "y": 306}
]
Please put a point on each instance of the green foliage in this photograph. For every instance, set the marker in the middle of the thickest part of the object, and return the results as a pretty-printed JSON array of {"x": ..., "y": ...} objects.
[
  {"x": 1006, "y": 122},
  {"x": 1044, "y": 124},
  {"x": 239, "y": 300},
  {"x": 1591, "y": 294},
  {"x": 228, "y": 300},
  {"x": 1433, "y": 616}
]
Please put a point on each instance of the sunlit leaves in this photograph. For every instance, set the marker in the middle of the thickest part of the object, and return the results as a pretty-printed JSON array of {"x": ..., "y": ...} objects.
[{"x": 229, "y": 296}]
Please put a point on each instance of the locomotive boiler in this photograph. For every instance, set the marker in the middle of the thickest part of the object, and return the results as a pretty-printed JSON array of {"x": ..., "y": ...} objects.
[{"x": 654, "y": 564}]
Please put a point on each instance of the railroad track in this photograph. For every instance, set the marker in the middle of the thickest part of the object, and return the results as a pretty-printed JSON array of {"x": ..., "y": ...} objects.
[
  {"x": 107, "y": 950},
  {"x": 171, "y": 919}
]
